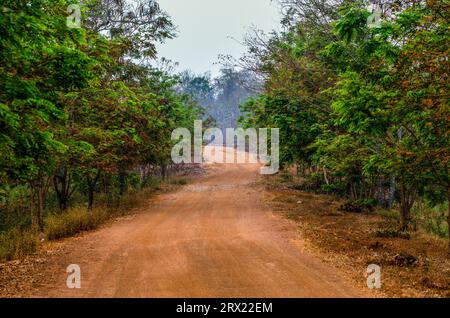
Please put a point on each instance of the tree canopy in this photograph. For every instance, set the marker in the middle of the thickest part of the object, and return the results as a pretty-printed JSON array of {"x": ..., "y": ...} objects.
[
  {"x": 362, "y": 105},
  {"x": 83, "y": 103}
]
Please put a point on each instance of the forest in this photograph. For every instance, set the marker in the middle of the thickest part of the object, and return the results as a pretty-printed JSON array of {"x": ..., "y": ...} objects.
[
  {"x": 359, "y": 90},
  {"x": 360, "y": 96},
  {"x": 83, "y": 113},
  {"x": 93, "y": 205}
]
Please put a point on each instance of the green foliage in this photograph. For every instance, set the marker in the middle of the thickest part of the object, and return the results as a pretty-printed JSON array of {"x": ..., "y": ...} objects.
[
  {"x": 78, "y": 114},
  {"x": 365, "y": 108},
  {"x": 433, "y": 219}
]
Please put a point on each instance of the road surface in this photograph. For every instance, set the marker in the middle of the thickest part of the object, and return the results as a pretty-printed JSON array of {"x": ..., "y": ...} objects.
[{"x": 214, "y": 238}]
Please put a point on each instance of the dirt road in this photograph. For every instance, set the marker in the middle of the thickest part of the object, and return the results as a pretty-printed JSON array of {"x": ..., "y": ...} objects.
[{"x": 214, "y": 238}]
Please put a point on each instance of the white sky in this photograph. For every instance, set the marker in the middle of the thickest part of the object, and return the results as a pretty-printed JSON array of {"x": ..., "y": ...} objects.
[{"x": 205, "y": 27}]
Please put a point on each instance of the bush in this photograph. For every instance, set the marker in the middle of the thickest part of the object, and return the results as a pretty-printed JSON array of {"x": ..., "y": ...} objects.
[
  {"x": 151, "y": 182},
  {"x": 180, "y": 181},
  {"x": 358, "y": 206},
  {"x": 431, "y": 219},
  {"x": 73, "y": 221},
  {"x": 392, "y": 233},
  {"x": 14, "y": 207},
  {"x": 336, "y": 189},
  {"x": 17, "y": 244},
  {"x": 286, "y": 176}
]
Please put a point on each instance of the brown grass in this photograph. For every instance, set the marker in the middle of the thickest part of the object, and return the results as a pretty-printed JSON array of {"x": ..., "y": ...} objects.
[
  {"x": 16, "y": 244},
  {"x": 74, "y": 221}
]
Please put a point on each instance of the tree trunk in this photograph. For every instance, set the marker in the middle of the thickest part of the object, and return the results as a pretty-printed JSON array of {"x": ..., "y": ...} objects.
[
  {"x": 362, "y": 188},
  {"x": 38, "y": 193},
  {"x": 391, "y": 193},
  {"x": 407, "y": 199},
  {"x": 107, "y": 188},
  {"x": 325, "y": 176},
  {"x": 122, "y": 182},
  {"x": 448, "y": 216},
  {"x": 91, "y": 188},
  {"x": 61, "y": 183},
  {"x": 37, "y": 207},
  {"x": 353, "y": 191},
  {"x": 164, "y": 172},
  {"x": 90, "y": 198}
]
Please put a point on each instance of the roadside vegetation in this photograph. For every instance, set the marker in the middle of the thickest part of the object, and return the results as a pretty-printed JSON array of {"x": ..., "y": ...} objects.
[
  {"x": 18, "y": 243},
  {"x": 85, "y": 119},
  {"x": 360, "y": 95}
]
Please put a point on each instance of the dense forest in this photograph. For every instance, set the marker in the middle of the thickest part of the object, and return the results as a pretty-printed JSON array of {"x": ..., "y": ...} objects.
[{"x": 359, "y": 90}]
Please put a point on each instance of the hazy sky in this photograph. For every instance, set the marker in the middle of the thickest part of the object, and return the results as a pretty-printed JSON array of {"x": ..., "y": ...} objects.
[{"x": 205, "y": 28}]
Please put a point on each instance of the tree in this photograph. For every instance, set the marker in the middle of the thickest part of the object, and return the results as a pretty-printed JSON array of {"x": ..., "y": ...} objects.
[
  {"x": 137, "y": 24},
  {"x": 365, "y": 107},
  {"x": 40, "y": 57}
]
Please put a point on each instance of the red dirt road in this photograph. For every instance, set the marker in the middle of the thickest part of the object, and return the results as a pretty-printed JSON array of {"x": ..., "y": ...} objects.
[{"x": 214, "y": 238}]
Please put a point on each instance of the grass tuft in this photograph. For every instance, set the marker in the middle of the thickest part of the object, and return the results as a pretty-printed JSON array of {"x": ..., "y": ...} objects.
[
  {"x": 16, "y": 244},
  {"x": 73, "y": 221}
]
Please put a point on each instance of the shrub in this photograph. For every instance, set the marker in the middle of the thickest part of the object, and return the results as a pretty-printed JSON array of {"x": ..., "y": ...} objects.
[
  {"x": 151, "y": 182},
  {"x": 334, "y": 188},
  {"x": 392, "y": 233},
  {"x": 18, "y": 244},
  {"x": 180, "y": 181},
  {"x": 73, "y": 221},
  {"x": 358, "y": 206},
  {"x": 431, "y": 219}
]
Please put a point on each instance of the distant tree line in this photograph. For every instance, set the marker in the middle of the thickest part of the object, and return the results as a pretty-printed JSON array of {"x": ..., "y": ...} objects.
[{"x": 220, "y": 97}]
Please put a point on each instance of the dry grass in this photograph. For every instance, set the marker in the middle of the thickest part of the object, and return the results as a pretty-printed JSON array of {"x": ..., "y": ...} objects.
[
  {"x": 80, "y": 219},
  {"x": 16, "y": 244},
  {"x": 414, "y": 267},
  {"x": 74, "y": 221}
]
